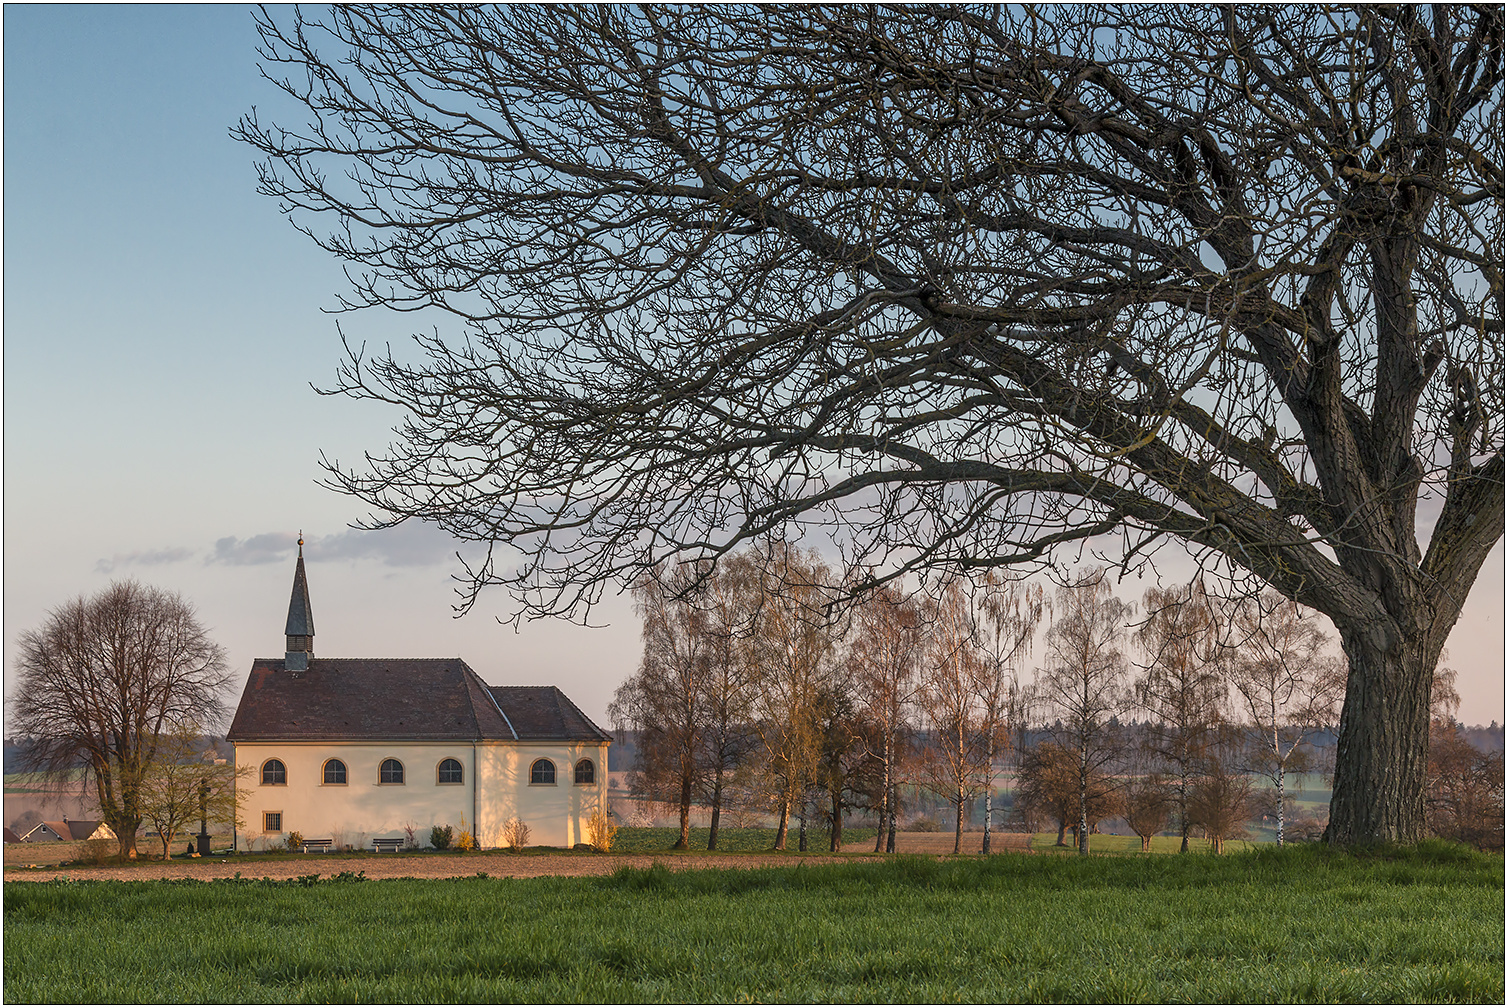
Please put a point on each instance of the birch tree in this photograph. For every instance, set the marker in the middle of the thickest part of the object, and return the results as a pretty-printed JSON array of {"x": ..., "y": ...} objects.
[
  {"x": 1288, "y": 685},
  {"x": 791, "y": 647},
  {"x": 1084, "y": 680},
  {"x": 885, "y": 650},
  {"x": 1004, "y": 620},
  {"x": 1182, "y": 687}
]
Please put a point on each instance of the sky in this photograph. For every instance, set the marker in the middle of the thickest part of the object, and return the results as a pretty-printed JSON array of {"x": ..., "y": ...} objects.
[{"x": 163, "y": 325}]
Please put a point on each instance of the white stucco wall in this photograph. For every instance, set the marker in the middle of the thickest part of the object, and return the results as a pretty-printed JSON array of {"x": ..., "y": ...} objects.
[
  {"x": 556, "y": 815},
  {"x": 495, "y": 787}
]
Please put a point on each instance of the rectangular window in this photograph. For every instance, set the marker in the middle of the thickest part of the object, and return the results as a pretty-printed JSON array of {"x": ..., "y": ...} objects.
[{"x": 272, "y": 822}]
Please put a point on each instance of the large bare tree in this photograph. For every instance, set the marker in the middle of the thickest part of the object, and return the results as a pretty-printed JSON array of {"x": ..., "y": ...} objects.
[
  {"x": 957, "y": 284},
  {"x": 107, "y": 682}
]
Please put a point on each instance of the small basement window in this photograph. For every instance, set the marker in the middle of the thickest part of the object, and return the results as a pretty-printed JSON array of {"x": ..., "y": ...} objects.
[
  {"x": 274, "y": 772},
  {"x": 392, "y": 772},
  {"x": 542, "y": 772},
  {"x": 586, "y": 772},
  {"x": 272, "y": 822},
  {"x": 450, "y": 772},
  {"x": 335, "y": 772}
]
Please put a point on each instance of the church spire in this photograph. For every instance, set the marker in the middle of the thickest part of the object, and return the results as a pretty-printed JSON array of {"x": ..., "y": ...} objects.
[{"x": 300, "y": 629}]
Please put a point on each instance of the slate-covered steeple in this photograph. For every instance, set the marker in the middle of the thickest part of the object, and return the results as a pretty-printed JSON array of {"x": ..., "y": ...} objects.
[{"x": 300, "y": 619}]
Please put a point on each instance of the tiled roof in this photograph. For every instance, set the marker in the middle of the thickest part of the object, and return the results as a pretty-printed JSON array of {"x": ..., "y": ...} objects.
[
  {"x": 72, "y": 829},
  {"x": 358, "y": 699},
  {"x": 543, "y": 712}
]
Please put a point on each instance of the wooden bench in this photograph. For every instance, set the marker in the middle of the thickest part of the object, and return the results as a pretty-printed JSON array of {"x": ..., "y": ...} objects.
[
  {"x": 320, "y": 845},
  {"x": 388, "y": 845}
]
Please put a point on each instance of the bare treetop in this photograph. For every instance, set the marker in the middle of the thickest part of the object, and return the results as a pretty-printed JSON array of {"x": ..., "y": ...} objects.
[{"x": 955, "y": 285}]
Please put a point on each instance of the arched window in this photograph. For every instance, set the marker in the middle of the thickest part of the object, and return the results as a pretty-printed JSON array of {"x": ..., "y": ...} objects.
[
  {"x": 273, "y": 772},
  {"x": 335, "y": 772},
  {"x": 450, "y": 771},
  {"x": 542, "y": 772},
  {"x": 586, "y": 772},
  {"x": 392, "y": 772}
]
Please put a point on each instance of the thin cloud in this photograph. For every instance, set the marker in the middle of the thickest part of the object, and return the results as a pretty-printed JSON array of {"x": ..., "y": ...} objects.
[
  {"x": 408, "y": 545},
  {"x": 269, "y": 547},
  {"x": 144, "y": 558}
]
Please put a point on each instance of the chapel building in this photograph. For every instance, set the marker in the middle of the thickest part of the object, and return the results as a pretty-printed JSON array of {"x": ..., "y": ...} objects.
[{"x": 353, "y": 750}]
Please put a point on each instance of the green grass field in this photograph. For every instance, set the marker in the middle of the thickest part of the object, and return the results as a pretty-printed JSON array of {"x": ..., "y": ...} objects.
[{"x": 1298, "y": 925}]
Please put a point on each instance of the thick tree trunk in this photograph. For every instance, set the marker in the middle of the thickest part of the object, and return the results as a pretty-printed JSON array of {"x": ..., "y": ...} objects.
[
  {"x": 119, "y": 817},
  {"x": 1383, "y": 746},
  {"x": 1062, "y": 833},
  {"x": 801, "y": 835},
  {"x": 784, "y": 826},
  {"x": 1146, "y": 843}
]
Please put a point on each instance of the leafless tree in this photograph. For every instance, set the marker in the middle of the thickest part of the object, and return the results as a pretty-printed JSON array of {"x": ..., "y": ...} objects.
[
  {"x": 1149, "y": 808},
  {"x": 884, "y": 649},
  {"x": 727, "y": 734},
  {"x": 1222, "y": 800},
  {"x": 105, "y": 680},
  {"x": 664, "y": 701},
  {"x": 1464, "y": 795},
  {"x": 1290, "y": 688},
  {"x": 1052, "y": 784},
  {"x": 958, "y": 284},
  {"x": 791, "y": 646},
  {"x": 955, "y": 760},
  {"x": 1182, "y": 687},
  {"x": 1084, "y": 681},
  {"x": 1004, "y": 618}
]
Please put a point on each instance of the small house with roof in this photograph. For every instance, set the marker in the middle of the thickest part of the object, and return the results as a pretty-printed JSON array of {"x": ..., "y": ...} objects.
[
  {"x": 68, "y": 829},
  {"x": 354, "y": 750}
]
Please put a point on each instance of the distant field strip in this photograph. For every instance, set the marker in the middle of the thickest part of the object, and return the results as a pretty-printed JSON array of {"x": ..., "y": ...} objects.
[{"x": 1298, "y": 925}]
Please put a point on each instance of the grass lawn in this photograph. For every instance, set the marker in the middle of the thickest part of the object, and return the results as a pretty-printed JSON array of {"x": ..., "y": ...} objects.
[{"x": 1297, "y": 925}]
